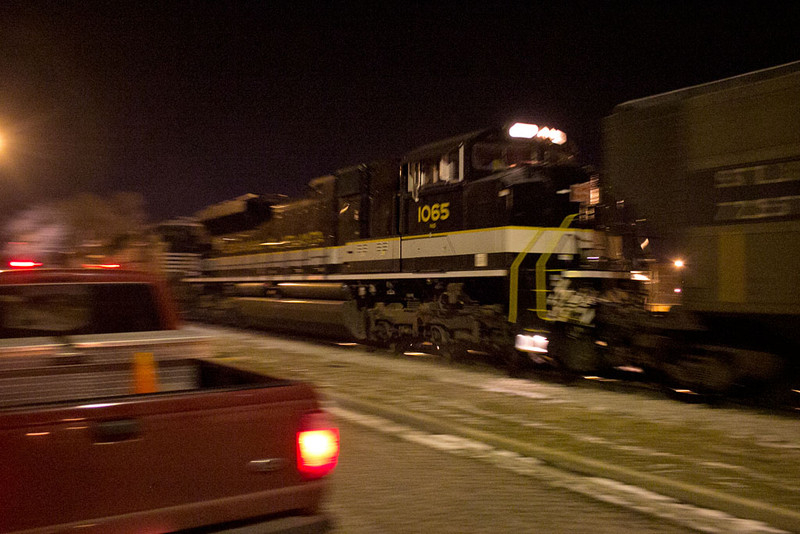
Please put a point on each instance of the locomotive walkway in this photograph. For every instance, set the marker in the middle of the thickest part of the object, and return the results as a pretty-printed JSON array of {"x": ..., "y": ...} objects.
[{"x": 705, "y": 468}]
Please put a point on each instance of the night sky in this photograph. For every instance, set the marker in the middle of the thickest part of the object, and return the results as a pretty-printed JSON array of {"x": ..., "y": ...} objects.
[{"x": 192, "y": 103}]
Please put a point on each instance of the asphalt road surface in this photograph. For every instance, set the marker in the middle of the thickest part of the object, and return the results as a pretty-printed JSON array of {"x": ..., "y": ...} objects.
[{"x": 389, "y": 485}]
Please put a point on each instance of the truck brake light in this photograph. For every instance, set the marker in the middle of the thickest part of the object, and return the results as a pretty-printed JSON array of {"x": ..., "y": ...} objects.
[
  {"x": 317, "y": 446},
  {"x": 23, "y": 264}
]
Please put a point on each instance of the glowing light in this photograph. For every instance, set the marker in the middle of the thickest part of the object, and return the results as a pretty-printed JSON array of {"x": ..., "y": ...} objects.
[
  {"x": 525, "y": 131},
  {"x": 600, "y": 378},
  {"x": 678, "y": 264},
  {"x": 535, "y": 343},
  {"x": 101, "y": 266},
  {"x": 529, "y": 131},
  {"x": 97, "y": 406},
  {"x": 317, "y": 446},
  {"x": 677, "y": 290},
  {"x": 630, "y": 369},
  {"x": 558, "y": 137},
  {"x": 17, "y": 264}
]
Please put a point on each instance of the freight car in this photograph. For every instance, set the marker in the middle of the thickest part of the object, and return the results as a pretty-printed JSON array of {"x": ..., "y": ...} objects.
[
  {"x": 712, "y": 175},
  {"x": 680, "y": 259}
]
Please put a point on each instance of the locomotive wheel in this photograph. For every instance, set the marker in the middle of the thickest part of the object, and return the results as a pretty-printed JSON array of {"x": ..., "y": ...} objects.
[
  {"x": 574, "y": 349},
  {"x": 440, "y": 337},
  {"x": 382, "y": 333},
  {"x": 515, "y": 362},
  {"x": 401, "y": 344},
  {"x": 703, "y": 373}
]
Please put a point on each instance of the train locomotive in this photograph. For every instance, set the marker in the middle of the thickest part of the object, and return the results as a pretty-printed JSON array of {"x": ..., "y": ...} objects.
[
  {"x": 679, "y": 259},
  {"x": 439, "y": 247}
]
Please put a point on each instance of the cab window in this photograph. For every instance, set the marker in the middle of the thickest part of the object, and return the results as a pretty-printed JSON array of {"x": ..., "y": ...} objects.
[
  {"x": 71, "y": 309},
  {"x": 442, "y": 169}
]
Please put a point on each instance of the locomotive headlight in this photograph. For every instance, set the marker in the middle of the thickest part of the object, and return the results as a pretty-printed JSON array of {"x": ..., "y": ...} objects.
[
  {"x": 524, "y": 130},
  {"x": 557, "y": 137}
]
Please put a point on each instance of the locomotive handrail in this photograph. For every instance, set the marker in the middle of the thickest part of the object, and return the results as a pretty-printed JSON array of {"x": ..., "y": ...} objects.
[
  {"x": 513, "y": 272},
  {"x": 541, "y": 281}
]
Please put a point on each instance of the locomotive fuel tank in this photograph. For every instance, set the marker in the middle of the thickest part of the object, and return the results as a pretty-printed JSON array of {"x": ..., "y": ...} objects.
[{"x": 338, "y": 319}]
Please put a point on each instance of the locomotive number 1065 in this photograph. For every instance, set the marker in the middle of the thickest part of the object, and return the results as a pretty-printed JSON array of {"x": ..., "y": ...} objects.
[{"x": 436, "y": 212}]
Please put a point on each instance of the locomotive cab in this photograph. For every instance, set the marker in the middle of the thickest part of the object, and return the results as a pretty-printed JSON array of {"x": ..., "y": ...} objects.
[{"x": 514, "y": 176}]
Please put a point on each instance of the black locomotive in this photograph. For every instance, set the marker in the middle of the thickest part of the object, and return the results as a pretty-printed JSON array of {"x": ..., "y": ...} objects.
[{"x": 440, "y": 248}]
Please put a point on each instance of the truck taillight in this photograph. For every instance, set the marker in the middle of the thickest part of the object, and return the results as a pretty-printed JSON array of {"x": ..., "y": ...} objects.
[
  {"x": 23, "y": 264},
  {"x": 317, "y": 446}
]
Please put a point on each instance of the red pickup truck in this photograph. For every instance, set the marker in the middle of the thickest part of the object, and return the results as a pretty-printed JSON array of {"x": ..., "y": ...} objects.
[{"x": 115, "y": 420}]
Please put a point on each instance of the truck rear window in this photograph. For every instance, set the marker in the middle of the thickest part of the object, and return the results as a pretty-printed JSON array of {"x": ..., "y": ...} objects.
[{"x": 70, "y": 309}]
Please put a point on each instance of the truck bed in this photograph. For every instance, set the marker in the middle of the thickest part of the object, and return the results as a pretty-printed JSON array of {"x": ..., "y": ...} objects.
[
  {"x": 78, "y": 382},
  {"x": 47, "y": 369},
  {"x": 212, "y": 445}
]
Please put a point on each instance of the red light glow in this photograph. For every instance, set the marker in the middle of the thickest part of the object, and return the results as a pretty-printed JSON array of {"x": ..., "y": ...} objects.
[
  {"x": 317, "y": 446},
  {"x": 23, "y": 264}
]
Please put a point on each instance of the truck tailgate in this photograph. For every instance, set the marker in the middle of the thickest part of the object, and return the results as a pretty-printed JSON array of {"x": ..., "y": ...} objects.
[{"x": 155, "y": 463}]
